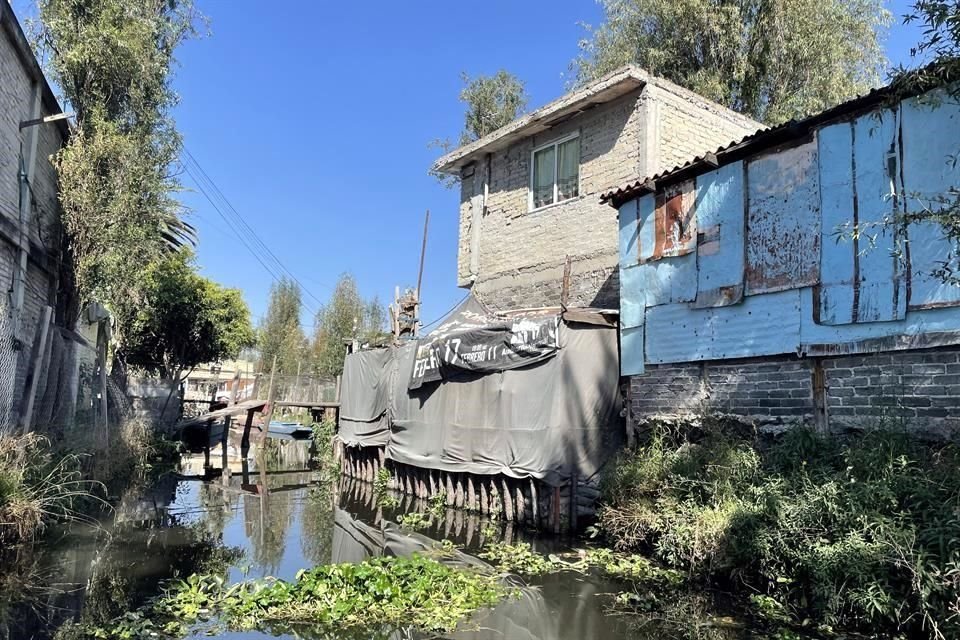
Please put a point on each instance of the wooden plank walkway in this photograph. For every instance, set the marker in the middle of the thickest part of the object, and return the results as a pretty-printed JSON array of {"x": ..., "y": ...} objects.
[{"x": 233, "y": 410}]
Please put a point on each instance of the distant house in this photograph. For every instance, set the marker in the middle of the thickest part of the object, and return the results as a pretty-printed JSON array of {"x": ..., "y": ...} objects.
[
  {"x": 29, "y": 211},
  {"x": 530, "y": 191},
  {"x": 740, "y": 294}
]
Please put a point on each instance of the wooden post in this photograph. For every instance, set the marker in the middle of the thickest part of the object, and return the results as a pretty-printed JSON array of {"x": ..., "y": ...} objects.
[
  {"x": 507, "y": 499},
  {"x": 565, "y": 286},
  {"x": 269, "y": 414},
  {"x": 450, "y": 494},
  {"x": 236, "y": 387},
  {"x": 36, "y": 355},
  {"x": 535, "y": 503},
  {"x": 245, "y": 440},
  {"x": 574, "y": 481},
  {"x": 471, "y": 494},
  {"x": 555, "y": 508},
  {"x": 102, "y": 357}
]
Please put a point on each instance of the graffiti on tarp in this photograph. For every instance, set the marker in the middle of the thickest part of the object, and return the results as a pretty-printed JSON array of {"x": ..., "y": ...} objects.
[{"x": 474, "y": 342}]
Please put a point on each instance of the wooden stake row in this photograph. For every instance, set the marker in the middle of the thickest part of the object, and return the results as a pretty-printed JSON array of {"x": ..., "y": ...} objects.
[{"x": 498, "y": 496}]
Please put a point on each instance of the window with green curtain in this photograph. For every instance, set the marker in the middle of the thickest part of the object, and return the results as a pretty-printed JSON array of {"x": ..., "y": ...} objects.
[
  {"x": 544, "y": 169},
  {"x": 568, "y": 169}
]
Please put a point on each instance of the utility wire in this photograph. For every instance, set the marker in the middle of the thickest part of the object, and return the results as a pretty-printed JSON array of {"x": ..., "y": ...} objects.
[
  {"x": 445, "y": 313},
  {"x": 243, "y": 228},
  {"x": 244, "y": 232}
]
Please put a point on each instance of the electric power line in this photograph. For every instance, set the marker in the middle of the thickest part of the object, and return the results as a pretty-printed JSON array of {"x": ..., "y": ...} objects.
[{"x": 236, "y": 222}]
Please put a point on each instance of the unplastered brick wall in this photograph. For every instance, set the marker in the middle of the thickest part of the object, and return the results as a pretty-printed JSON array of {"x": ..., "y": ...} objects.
[
  {"x": 768, "y": 390},
  {"x": 919, "y": 390},
  {"x": 521, "y": 254},
  {"x": 913, "y": 388},
  {"x": 690, "y": 125}
]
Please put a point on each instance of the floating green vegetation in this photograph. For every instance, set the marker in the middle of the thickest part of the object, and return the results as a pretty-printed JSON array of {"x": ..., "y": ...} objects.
[
  {"x": 392, "y": 592},
  {"x": 381, "y": 490},
  {"x": 521, "y": 559},
  {"x": 415, "y": 521},
  {"x": 860, "y": 532}
]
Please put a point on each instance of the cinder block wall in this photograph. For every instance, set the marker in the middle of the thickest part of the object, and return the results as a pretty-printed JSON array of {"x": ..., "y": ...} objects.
[
  {"x": 916, "y": 389},
  {"x": 521, "y": 254}
]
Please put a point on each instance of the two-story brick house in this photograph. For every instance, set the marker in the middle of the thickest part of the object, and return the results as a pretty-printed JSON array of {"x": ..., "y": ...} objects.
[{"x": 530, "y": 191}]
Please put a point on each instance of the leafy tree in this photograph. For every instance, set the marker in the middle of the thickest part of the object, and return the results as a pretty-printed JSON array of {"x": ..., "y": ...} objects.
[
  {"x": 492, "y": 102},
  {"x": 182, "y": 319},
  {"x": 770, "y": 59},
  {"x": 280, "y": 333},
  {"x": 345, "y": 317},
  {"x": 113, "y": 60}
]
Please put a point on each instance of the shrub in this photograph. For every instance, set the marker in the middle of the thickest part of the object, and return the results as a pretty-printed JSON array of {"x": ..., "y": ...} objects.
[{"x": 861, "y": 532}]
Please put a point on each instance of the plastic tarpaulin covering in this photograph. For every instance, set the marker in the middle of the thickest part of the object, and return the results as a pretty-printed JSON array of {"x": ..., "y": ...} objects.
[
  {"x": 546, "y": 420},
  {"x": 364, "y": 398},
  {"x": 473, "y": 339}
]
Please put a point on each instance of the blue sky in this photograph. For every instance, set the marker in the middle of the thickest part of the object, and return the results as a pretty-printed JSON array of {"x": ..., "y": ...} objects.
[{"x": 314, "y": 118}]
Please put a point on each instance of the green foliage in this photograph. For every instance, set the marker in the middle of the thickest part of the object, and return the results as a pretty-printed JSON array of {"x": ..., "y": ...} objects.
[
  {"x": 38, "y": 488},
  {"x": 415, "y": 521},
  {"x": 113, "y": 60},
  {"x": 862, "y": 533},
  {"x": 280, "y": 335},
  {"x": 181, "y": 319},
  {"x": 413, "y": 591},
  {"x": 519, "y": 558},
  {"x": 492, "y": 102},
  {"x": 345, "y": 317},
  {"x": 754, "y": 56}
]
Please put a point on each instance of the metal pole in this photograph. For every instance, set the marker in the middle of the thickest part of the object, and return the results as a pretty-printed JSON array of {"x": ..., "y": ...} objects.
[{"x": 423, "y": 253}]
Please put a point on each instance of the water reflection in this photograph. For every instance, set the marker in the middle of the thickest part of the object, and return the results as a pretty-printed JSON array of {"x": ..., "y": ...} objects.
[{"x": 223, "y": 513}]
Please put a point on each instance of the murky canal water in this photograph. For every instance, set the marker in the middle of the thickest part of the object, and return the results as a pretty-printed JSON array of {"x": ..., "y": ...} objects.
[{"x": 269, "y": 522}]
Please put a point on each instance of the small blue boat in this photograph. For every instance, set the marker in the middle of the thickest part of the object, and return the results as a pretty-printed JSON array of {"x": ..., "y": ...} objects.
[{"x": 292, "y": 429}]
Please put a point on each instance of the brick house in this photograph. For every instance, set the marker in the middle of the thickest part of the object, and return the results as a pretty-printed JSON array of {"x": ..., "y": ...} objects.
[
  {"x": 530, "y": 191},
  {"x": 29, "y": 208}
]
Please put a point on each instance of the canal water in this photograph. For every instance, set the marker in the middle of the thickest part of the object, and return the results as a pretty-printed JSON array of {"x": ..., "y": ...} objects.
[{"x": 252, "y": 522}]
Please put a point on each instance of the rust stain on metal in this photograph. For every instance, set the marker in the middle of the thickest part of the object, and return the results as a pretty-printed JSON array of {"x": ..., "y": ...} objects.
[{"x": 719, "y": 297}]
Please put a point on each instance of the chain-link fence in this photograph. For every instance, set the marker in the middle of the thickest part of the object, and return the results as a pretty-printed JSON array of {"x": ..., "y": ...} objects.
[{"x": 50, "y": 383}]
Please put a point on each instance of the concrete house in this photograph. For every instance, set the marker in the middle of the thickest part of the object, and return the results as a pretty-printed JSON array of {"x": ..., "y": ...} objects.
[
  {"x": 738, "y": 295},
  {"x": 29, "y": 208},
  {"x": 530, "y": 191}
]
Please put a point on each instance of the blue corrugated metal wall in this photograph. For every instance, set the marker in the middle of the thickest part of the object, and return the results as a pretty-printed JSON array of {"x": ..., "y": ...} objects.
[{"x": 777, "y": 268}]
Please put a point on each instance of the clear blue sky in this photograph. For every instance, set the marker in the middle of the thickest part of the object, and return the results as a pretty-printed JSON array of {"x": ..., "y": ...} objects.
[{"x": 314, "y": 120}]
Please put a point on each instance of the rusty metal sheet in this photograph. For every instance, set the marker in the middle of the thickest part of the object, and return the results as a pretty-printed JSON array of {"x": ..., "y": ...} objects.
[
  {"x": 914, "y": 323},
  {"x": 676, "y": 230},
  {"x": 862, "y": 280},
  {"x": 931, "y": 128},
  {"x": 720, "y": 249},
  {"x": 760, "y": 325},
  {"x": 783, "y": 220}
]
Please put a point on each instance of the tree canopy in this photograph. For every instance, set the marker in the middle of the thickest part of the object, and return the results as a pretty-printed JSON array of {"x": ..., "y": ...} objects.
[
  {"x": 492, "y": 102},
  {"x": 182, "y": 319},
  {"x": 280, "y": 333},
  {"x": 113, "y": 61},
  {"x": 345, "y": 317},
  {"x": 772, "y": 60}
]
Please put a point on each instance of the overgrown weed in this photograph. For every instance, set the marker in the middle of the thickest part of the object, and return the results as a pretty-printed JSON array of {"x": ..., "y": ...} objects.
[
  {"x": 861, "y": 532},
  {"x": 38, "y": 487}
]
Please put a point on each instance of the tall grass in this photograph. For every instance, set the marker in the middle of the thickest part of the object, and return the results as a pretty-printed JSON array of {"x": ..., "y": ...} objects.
[
  {"x": 860, "y": 532},
  {"x": 38, "y": 487}
]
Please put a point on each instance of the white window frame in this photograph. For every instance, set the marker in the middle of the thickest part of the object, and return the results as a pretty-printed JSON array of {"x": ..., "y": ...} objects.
[{"x": 556, "y": 164}]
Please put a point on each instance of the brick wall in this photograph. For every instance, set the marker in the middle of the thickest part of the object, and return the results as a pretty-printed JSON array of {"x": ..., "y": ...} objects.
[
  {"x": 916, "y": 389},
  {"x": 521, "y": 254},
  {"x": 17, "y": 90}
]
